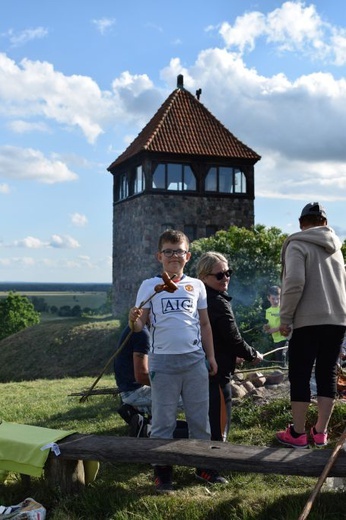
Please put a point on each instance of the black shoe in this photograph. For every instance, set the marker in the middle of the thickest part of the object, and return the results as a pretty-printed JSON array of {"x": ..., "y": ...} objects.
[
  {"x": 136, "y": 425},
  {"x": 126, "y": 412},
  {"x": 163, "y": 479},
  {"x": 210, "y": 476}
]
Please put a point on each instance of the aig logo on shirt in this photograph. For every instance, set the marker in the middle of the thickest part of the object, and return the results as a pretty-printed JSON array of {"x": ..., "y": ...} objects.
[{"x": 176, "y": 305}]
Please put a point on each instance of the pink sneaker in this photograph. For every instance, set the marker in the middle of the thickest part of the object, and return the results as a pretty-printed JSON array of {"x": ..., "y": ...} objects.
[
  {"x": 320, "y": 439},
  {"x": 286, "y": 438}
]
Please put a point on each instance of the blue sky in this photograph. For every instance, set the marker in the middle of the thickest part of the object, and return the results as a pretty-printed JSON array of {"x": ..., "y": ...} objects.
[{"x": 80, "y": 79}]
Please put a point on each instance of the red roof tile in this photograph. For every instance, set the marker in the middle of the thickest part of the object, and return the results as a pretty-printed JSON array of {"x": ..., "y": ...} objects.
[{"x": 183, "y": 125}]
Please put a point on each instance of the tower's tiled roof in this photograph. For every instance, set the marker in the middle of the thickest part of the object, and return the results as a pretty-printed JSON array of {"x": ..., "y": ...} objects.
[{"x": 183, "y": 125}]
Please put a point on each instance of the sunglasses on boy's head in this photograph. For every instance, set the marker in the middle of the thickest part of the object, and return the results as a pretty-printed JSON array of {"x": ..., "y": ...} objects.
[{"x": 219, "y": 276}]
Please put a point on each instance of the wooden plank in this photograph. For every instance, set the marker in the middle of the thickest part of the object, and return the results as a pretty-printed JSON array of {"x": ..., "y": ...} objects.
[
  {"x": 222, "y": 456},
  {"x": 96, "y": 391}
]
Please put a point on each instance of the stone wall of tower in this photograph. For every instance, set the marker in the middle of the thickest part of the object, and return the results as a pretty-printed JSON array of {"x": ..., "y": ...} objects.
[{"x": 139, "y": 221}]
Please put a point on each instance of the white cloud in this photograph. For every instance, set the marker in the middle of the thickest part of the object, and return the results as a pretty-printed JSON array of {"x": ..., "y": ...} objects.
[
  {"x": 23, "y": 127},
  {"x": 55, "y": 264},
  {"x": 154, "y": 26},
  {"x": 292, "y": 27},
  {"x": 79, "y": 220},
  {"x": 28, "y": 164},
  {"x": 4, "y": 189},
  {"x": 30, "y": 243},
  {"x": 104, "y": 24},
  {"x": 35, "y": 89},
  {"x": 18, "y": 39},
  {"x": 245, "y": 31},
  {"x": 298, "y": 127},
  {"x": 63, "y": 242},
  {"x": 279, "y": 177},
  {"x": 338, "y": 44},
  {"x": 56, "y": 241},
  {"x": 79, "y": 262}
]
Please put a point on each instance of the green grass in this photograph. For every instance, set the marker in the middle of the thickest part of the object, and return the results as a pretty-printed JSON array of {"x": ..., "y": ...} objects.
[{"x": 125, "y": 491}]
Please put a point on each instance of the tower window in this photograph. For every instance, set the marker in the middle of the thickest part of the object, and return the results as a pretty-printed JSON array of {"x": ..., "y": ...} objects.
[
  {"x": 175, "y": 177},
  {"x": 139, "y": 184},
  {"x": 190, "y": 232},
  {"x": 223, "y": 179},
  {"x": 210, "y": 230},
  {"x": 123, "y": 187}
]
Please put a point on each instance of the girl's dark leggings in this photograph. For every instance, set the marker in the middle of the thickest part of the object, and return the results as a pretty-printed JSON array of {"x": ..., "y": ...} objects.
[
  {"x": 319, "y": 344},
  {"x": 220, "y": 406}
]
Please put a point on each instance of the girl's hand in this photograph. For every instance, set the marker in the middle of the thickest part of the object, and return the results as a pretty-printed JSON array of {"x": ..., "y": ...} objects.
[
  {"x": 285, "y": 330},
  {"x": 212, "y": 366}
]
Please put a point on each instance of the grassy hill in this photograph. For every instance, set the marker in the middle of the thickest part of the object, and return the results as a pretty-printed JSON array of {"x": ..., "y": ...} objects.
[{"x": 57, "y": 349}]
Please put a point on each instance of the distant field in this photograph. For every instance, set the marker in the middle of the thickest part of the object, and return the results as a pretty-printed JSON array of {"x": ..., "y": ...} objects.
[{"x": 91, "y": 299}]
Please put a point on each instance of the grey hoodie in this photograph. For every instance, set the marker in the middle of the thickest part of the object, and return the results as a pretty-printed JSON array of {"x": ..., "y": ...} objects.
[{"x": 314, "y": 280}]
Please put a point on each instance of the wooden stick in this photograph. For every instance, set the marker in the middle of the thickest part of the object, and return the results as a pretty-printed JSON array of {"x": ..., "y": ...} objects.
[
  {"x": 272, "y": 351},
  {"x": 116, "y": 353},
  {"x": 323, "y": 476},
  {"x": 259, "y": 369}
]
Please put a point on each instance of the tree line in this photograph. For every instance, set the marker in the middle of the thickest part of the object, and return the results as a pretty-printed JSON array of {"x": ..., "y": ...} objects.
[
  {"x": 253, "y": 254},
  {"x": 18, "y": 312}
]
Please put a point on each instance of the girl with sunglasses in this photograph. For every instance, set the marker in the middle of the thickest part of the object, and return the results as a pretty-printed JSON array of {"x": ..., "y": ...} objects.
[{"x": 213, "y": 270}]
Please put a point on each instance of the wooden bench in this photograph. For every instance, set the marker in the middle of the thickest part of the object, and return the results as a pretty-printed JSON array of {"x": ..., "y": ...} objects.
[{"x": 67, "y": 470}]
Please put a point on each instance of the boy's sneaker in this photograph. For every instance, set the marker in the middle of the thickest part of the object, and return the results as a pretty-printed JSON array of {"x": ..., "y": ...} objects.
[
  {"x": 163, "y": 479},
  {"x": 286, "y": 438},
  {"x": 136, "y": 425},
  {"x": 210, "y": 476},
  {"x": 146, "y": 432},
  {"x": 319, "y": 439}
]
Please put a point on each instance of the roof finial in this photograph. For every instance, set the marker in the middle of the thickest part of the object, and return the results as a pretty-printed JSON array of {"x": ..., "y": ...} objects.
[{"x": 180, "y": 81}]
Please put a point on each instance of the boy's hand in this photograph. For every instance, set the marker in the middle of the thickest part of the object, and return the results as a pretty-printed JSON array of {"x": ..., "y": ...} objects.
[{"x": 135, "y": 313}]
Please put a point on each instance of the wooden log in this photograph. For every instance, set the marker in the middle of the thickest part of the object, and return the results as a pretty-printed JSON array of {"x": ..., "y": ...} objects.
[
  {"x": 222, "y": 456},
  {"x": 66, "y": 475}
]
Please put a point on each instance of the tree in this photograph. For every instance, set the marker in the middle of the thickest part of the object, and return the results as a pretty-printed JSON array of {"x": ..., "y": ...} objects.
[
  {"x": 254, "y": 256},
  {"x": 16, "y": 313},
  {"x": 64, "y": 311},
  {"x": 39, "y": 304},
  {"x": 343, "y": 249}
]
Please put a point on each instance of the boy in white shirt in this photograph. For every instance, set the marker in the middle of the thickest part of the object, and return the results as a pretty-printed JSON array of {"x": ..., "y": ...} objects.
[{"x": 181, "y": 348}]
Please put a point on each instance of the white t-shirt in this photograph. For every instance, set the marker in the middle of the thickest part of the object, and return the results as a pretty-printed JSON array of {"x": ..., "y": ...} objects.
[{"x": 174, "y": 317}]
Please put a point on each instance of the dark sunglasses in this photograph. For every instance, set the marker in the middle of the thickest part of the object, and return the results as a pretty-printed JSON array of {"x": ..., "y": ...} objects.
[{"x": 219, "y": 276}]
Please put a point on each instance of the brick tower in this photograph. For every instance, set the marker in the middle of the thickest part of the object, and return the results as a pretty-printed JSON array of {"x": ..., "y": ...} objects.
[{"x": 185, "y": 171}]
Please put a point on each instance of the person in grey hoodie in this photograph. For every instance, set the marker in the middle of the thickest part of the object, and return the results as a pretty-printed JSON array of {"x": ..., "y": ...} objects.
[{"x": 313, "y": 310}]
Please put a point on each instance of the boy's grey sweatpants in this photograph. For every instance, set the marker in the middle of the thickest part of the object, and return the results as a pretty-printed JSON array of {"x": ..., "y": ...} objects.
[{"x": 192, "y": 385}]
